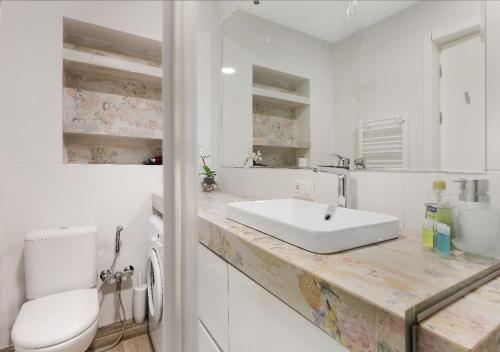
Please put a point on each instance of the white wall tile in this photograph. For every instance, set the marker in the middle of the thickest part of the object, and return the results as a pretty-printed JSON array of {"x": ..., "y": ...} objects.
[
  {"x": 31, "y": 34},
  {"x": 380, "y": 192},
  {"x": 30, "y": 114},
  {"x": 494, "y": 177},
  {"x": 11, "y": 298},
  {"x": 4, "y": 336},
  {"x": 34, "y": 196},
  {"x": 277, "y": 183},
  {"x": 417, "y": 187},
  {"x": 492, "y": 85}
]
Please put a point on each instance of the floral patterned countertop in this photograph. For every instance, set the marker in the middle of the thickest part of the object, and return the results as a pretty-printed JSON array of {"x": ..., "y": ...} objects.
[{"x": 360, "y": 297}]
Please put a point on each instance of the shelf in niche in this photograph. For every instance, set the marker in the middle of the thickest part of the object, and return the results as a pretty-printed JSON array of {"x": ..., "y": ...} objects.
[
  {"x": 99, "y": 73},
  {"x": 278, "y": 80},
  {"x": 88, "y": 148},
  {"x": 266, "y": 95},
  {"x": 95, "y": 37},
  {"x": 100, "y": 63},
  {"x": 275, "y": 144},
  {"x": 109, "y": 139},
  {"x": 112, "y": 137}
]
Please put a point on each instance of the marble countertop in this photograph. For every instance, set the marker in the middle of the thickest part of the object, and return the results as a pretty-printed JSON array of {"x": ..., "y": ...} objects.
[{"x": 360, "y": 297}]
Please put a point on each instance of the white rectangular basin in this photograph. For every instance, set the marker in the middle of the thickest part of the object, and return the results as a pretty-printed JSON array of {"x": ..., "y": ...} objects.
[{"x": 303, "y": 224}]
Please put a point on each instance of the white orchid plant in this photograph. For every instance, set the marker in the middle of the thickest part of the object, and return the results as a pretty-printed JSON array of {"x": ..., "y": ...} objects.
[{"x": 253, "y": 157}]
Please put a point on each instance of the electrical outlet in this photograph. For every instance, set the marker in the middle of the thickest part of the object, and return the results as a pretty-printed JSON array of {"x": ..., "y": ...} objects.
[{"x": 303, "y": 189}]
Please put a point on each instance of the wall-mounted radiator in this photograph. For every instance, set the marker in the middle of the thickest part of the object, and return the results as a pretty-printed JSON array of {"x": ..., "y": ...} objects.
[{"x": 383, "y": 143}]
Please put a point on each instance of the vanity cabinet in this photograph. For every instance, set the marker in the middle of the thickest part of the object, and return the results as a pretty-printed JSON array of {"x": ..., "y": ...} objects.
[
  {"x": 241, "y": 316},
  {"x": 258, "y": 321},
  {"x": 213, "y": 303},
  {"x": 205, "y": 341}
]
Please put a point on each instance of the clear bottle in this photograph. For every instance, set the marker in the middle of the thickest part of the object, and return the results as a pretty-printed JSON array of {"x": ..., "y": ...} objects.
[{"x": 478, "y": 225}]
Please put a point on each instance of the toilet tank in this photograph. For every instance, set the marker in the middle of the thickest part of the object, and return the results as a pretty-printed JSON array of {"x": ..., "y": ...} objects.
[{"x": 61, "y": 259}]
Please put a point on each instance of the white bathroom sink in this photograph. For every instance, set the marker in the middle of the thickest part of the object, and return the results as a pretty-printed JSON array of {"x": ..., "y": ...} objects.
[{"x": 303, "y": 224}]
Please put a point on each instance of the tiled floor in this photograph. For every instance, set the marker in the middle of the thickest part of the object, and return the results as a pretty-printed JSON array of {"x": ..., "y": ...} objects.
[{"x": 137, "y": 344}]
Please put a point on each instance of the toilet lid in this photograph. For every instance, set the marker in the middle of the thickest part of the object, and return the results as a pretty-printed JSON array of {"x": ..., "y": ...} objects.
[{"x": 56, "y": 318}]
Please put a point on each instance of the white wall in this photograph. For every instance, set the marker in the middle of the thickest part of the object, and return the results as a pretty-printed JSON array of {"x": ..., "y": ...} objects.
[
  {"x": 493, "y": 85},
  {"x": 250, "y": 40},
  {"x": 208, "y": 79},
  {"x": 36, "y": 189},
  {"x": 379, "y": 72}
]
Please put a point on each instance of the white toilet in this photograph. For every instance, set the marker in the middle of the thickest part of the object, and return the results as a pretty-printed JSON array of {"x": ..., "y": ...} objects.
[{"x": 61, "y": 277}]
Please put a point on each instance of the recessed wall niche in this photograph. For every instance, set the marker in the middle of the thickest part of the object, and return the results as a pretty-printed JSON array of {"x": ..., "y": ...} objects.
[
  {"x": 280, "y": 116},
  {"x": 111, "y": 111}
]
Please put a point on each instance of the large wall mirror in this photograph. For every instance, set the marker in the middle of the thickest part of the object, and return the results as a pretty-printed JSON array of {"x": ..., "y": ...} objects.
[{"x": 399, "y": 84}]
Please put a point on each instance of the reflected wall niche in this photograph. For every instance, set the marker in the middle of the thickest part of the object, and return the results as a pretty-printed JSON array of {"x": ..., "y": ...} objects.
[{"x": 280, "y": 105}]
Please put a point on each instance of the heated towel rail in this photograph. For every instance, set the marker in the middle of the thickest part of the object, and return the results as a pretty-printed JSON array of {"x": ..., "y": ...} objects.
[{"x": 383, "y": 142}]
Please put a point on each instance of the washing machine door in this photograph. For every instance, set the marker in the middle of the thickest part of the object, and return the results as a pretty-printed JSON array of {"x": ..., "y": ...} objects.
[{"x": 155, "y": 287}]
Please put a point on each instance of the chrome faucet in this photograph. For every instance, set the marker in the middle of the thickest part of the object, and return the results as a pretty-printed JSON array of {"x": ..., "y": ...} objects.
[
  {"x": 342, "y": 161},
  {"x": 344, "y": 185}
]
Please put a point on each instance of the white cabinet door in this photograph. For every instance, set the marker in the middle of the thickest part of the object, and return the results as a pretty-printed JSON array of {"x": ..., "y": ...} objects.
[
  {"x": 205, "y": 341},
  {"x": 258, "y": 321},
  {"x": 213, "y": 295}
]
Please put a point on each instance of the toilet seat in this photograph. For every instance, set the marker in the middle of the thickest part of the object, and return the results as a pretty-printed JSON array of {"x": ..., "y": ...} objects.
[
  {"x": 55, "y": 320},
  {"x": 79, "y": 343}
]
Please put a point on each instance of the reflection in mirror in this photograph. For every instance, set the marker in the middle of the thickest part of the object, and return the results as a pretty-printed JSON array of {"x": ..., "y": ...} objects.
[{"x": 399, "y": 84}]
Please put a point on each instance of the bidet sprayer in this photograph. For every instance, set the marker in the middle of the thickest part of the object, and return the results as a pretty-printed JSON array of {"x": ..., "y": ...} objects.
[{"x": 119, "y": 229}]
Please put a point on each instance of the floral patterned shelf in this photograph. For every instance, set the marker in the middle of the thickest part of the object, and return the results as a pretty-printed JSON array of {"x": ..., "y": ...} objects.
[
  {"x": 276, "y": 131},
  {"x": 89, "y": 112},
  {"x": 97, "y": 149}
]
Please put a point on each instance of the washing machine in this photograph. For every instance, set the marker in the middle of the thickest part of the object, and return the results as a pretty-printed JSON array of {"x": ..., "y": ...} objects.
[{"x": 155, "y": 280}]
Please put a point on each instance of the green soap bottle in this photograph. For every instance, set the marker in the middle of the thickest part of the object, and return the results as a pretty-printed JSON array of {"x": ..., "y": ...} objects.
[
  {"x": 428, "y": 234},
  {"x": 439, "y": 209}
]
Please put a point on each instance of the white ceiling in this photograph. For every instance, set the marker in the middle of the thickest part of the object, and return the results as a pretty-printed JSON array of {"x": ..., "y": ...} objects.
[{"x": 324, "y": 19}]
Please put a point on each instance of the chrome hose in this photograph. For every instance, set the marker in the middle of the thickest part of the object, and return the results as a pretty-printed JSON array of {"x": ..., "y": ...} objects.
[{"x": 119, "y": 293}]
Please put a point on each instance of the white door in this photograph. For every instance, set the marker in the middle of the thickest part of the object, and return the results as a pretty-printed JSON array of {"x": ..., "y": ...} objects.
[
  {"x": 260, "y": 322},
  {"x": 463, "y": 105}
]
